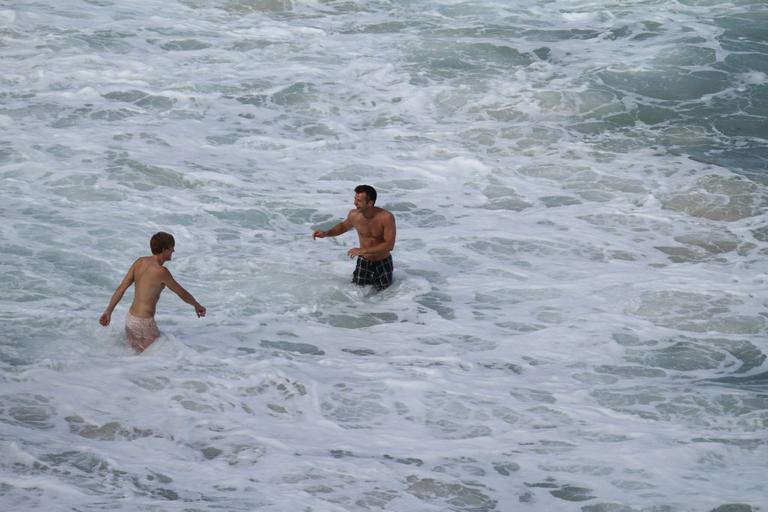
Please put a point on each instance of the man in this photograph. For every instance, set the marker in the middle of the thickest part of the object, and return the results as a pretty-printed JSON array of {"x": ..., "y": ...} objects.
[
  {"x": 376, "y": 231},
  {"x": 151, "y": 277}
]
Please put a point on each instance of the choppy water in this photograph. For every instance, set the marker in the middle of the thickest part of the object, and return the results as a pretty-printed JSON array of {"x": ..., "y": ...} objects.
[{"x": 579, "y": 318}]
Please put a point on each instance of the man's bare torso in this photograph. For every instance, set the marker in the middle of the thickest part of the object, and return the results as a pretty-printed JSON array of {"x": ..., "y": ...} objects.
[
  {"x": 148, "y": 278},
  {"x": 370, "y": 231}
]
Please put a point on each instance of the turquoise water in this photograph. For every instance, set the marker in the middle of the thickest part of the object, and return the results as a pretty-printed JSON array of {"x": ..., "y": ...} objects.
[{"x": 578, "y": 321}]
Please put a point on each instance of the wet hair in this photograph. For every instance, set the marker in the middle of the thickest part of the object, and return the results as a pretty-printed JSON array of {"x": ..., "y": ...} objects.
[
  {"x": 161, "y": 241},
  {"x": 367, "y": 190}
]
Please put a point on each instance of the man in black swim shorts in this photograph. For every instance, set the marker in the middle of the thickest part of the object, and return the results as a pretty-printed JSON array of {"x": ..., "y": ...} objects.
[
  {"x": 376, "y": 231},
  {"x": 376, "y": 273}
]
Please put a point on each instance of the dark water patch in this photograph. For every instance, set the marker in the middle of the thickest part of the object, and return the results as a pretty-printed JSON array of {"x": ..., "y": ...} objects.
[
  {"x": 107, "y": 40},
  {"x": 630, "y": 398},
  {"x": 565, "y": 492},
  {"x": 697, "y": 312},
  {"x": 748, "y": 63},
  {"x": 506, "y": 468},
  {"x": 110, "y": 431},
  {"x": 717, "y": 198},
  {"x": 506, "y": 248},
  {"x": 511, "y": 368},
  {"x": 504, "y": 198},
  {"x": 245, "y": 7},
  {"x": 744, "y": 29},
  {"x": 516, "y": 328},
  {"x": 299, "y": 348},
  {"x": 631, "y": 371},
  {"x": 437, "y": 302},
  {"x": 410, "y": 461},
  {"x": 83, "y": 461},
  {"x": 464, "y": 342},
  {"x": 573, "y": 493},
  {"x": 457, "y": 497},
  {"x": 298, "y": 93},
  {"x": 354, "y": 321},
  {"x": 558, "y": 36},
  {"x": 617, "y": 507},
  {"x": 355, "y": 407},
  {"x": 362, "y": 352},
  {"x": 691, "y": 354},
  {"x": 306, "y": 216},
  {"x": 184, "y": 45},
  {"x": 735, "y": 507},
  {"x": 248, "y": 218},
  {"x": 80, "y": 269},
  {"x": 744, "y": 123},
  {"x": 432, "y": 276},
  {"x": 760, "y": 234},
  {"x": 757, "y": 381},
  {"x": 258, "y": 100},
  {"x": 667, "y": 84},
  {"x": 424, "y": 218},
  {"x": 687, "y": 55},
  {"x": 141, "y": 99},
  {"x": 7, "y": 153},
  {"x": 388, "y": 27},
  {"x": 247, "y": 45},
  {"x": 746, "y": 444},
  {"x": 702, "y": 246},
  {"x": 143, "y": 176},
  {"x": 449, "y": 58},
  {"x": 30, "y": 411},
  {"x": 628, "y": 339},
  {"x": 558, "y": 201},
  {"x": 681, "y": 356},
  {"x": 497, "y": 55}
]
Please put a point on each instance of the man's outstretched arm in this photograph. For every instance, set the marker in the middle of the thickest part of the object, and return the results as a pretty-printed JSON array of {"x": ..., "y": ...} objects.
[
  {"x": 338, "y": 229},
  {"x": 126, "y": 283},
  {"x": 183, "y": 294}
]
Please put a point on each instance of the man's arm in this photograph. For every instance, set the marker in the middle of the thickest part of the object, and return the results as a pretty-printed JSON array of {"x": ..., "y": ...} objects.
[
  {"x": 183, "y": 294},
  {"x": 384, "y": 247},
  {"x": 126, "y": 283},
  {"x": 338, "y": 229}
]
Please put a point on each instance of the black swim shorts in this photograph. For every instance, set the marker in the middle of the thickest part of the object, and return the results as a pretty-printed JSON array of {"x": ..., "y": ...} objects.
[{"x": 376, "y": 273}]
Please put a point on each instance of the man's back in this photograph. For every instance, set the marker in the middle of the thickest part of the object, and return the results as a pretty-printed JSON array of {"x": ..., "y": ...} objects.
[{"x": 148, "y": 278}]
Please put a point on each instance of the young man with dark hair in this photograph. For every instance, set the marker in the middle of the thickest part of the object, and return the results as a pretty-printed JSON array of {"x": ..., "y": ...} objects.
[
  {"x": 150, "y": 277},
  {"x": 376, "y": 231}
]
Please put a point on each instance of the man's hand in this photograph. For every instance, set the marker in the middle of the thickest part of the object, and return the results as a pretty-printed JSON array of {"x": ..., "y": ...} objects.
[
  {"x": 319, "y": 234},
  {"x": 200, "y": 310},
  {"x": 355, "y": 251},
  {"x": 105, "y": 318}
]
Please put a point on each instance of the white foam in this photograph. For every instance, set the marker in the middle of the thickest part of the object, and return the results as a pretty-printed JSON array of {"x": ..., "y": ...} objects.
[{"x": 565, "y": 296}]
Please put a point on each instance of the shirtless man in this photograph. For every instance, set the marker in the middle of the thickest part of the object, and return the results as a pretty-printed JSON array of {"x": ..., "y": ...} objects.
[
  {"x": 151, "y": 277},
  {"x": 376, "y": 230}
]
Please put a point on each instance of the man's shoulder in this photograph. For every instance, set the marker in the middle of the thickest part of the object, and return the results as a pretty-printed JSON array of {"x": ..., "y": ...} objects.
[
  {"x": 143, "y": 263},
  {"x": 147, "y": 264},
  {"x": 385, "y": 214}
]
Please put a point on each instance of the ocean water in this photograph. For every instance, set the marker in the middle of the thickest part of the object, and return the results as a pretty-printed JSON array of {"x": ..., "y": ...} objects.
[{"x": 579, "y": 316}]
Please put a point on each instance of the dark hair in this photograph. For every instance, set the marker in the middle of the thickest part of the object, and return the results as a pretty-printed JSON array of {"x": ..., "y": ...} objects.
[
  {"x": 367, "y": 190},
  {"x": 161, "y": 241}
]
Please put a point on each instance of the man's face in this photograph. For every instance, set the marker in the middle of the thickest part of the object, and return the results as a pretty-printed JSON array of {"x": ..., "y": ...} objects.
[
  {"x": 361, "y": 201},
  {"x": 168, "y": 253}
]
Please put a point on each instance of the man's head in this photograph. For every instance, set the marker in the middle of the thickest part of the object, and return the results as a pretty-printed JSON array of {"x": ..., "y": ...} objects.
[
  {"x": 365, "y": 194},
  {"x": 162, "y": 242}
]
